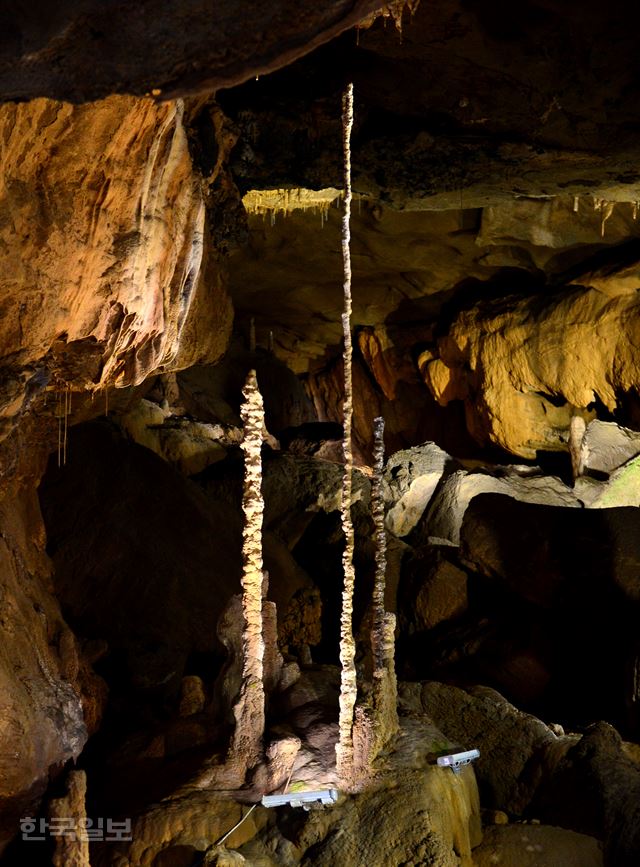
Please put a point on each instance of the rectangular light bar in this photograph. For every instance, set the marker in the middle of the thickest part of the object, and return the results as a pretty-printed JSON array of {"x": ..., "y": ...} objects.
[
  {"x": 301, "y": 799},
  {"x": 455, "y": 761}
]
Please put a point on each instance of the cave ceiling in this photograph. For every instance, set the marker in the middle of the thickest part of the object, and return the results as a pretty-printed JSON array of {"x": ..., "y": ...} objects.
[{"x": 496, "y": 155}]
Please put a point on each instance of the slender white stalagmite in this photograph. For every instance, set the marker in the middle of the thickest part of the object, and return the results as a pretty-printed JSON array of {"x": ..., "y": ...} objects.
[
  {"x": 348, "y": 686},
  {"x": 247, "y": 745}
]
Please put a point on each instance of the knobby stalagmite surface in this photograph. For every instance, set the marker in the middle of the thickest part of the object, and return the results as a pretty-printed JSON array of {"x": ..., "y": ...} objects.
[
  {"x": 377, "y": 509},
  {"x": 348, "y": 685},
  {"x": 247, "y": 746},
  {"x": 72, "y": 849},
  {"x": 385, "y": 693},
  {"x": 376, "y": 724}
]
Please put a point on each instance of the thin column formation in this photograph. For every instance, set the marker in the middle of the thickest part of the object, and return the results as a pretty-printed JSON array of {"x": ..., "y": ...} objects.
[
  {"x": 348, "y": 685},
  {"x": 249, "y": 710}
]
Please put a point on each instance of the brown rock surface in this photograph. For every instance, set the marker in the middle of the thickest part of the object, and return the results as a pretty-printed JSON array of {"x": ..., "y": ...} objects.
[
  {"x": 105, "y": 274},
  {"x": 42, "y": 721},
  {"x": 596, "y": 790},
  {"x": 574, "y": 573},
  {"x": 537, "y": 846},
  {"x": 159, "y": 46},
  {"x": 512, "y": 744},
  {"x": 432, "y": 591},
  {"x": 530, "y": 364},
  {"x": 71, "y": 850}
]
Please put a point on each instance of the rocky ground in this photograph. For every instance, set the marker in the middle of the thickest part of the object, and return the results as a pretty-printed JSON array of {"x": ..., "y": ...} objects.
[{"x": 499, "y": 574}]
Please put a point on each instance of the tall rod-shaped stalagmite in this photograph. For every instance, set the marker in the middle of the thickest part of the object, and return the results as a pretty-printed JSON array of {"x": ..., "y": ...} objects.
[
  {"x": 247, "y": 745},
  {"x": 385, "y": 696},
  {"x": 348, "y": 685},
  {"x": 377, "y": 509}
]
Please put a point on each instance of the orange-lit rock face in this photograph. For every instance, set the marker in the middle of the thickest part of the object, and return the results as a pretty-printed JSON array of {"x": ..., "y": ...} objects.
[
  {"x": 102, "y": 265},
  {"x": 42, "y": 718},
  {"x": 530, "y": 365}
]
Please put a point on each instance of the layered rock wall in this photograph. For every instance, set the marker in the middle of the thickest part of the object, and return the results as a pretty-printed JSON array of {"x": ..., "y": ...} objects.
[{"x": 102, "y": 249}]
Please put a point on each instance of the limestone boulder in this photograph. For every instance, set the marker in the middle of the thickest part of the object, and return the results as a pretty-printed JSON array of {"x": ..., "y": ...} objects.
[
  {"x": 540, "y": 551},
  {"x": 297, "y": 488},
  {"x": 446, "y": 512},
  {"x": 512, "y": 744},
  {"x": 432, "y": 591},
  {"x": 411, "y": 477},
  {"x": 607, "y": 446},
  {"x": 191, "y": 446},
  {"x": 572, "y": 575},
  {"x": 621, "y": 489},
  {"x": 185, "y": 824},
  {"x": 596, "y": 790}
]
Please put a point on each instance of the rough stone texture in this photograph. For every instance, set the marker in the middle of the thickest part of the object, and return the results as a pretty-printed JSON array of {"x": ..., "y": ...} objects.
[
  {"x": 596, "y": 789},
  {"x": 510, "y": 364},
  {"x": 608, "y": 446},
  {"x": 573, "y": 572},
  {"x": 540, "y": 551},
  {"x": 621, "y": 489},
  {"x": 213, "y": 393},
  {"x": 586, "y": 784},
  {"x": 410, "y": 479},
  {"x": 163, "y": 560},
  {"x": 158, "y": 46},
  {"x": 383, "y": 628},
  {"x": 536, "y": 846},
  {"x": 449, "y": 505},
  {"x": 527, "y": 364},
  {"x": 247, "y": 746},
  {"x": 544, "y": 227},
  {"x": 420, "y": 814},
  {"x": 512, "y": 744},
  {"x": 432, "y": 591},
  {"x": 192, "y": 696},
  {"x": 71, "y": 850},
  {"x": 186, "y": 823},
  {"x": 189, "y": 445},
  {"x": 505, "y": 123},
  {"x": 297, "y": 488},
  {"x": 42, "y": 721},
  {"x": 105, "y": 276}
]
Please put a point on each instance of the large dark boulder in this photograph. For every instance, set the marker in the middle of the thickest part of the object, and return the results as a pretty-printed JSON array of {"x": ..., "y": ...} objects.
[{"x": 574, "y": 576}]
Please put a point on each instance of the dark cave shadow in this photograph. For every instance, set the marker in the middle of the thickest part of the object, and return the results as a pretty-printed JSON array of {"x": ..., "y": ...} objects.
[{"x": 576, "y": 574}]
